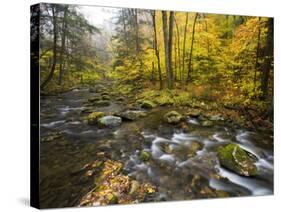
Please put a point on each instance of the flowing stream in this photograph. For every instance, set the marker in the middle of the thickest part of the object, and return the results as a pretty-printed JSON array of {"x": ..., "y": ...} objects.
[{"x": 170, "y": 168}]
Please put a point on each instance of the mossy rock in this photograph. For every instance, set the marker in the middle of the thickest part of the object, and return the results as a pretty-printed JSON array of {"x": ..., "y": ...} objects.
[
  {"x": 99, "y": 88},
  {"x": 94, "y": 116},
  {"x": 120, "y": 99},
  {"x": 94, "y": 99},
  {"x": 216, "y": 118},
  {"x": 146, "y": 104},
  {"x": 193, "y": 113},
  {"x": 109, "y": 121},
  {"x": 207, "y": 123},
  {"x": 237, "y": 159},
  {"x": 144, "y": 155},
  {"x": 173, "y": 117},
  {"x": 106, "y": 97},
  {"x": 131, "y": 115},
  {"x": 101, "y": 103},
  {"x": 105, "y": 93}
]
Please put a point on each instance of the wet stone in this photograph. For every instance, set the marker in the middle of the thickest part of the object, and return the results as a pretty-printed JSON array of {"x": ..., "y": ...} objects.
[
  {"x": 109, "y": 121},
  {"x": 173, "y": 117},
  {"x": 237, "y": 159}
]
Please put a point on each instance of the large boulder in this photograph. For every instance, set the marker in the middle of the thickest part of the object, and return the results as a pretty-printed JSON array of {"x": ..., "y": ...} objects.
[
  {"x": 109, "y": 121},
  {"x": 235, "y": 158},
  {"x": 173, "y": 117},
  {"x": 94, "y": 116}
]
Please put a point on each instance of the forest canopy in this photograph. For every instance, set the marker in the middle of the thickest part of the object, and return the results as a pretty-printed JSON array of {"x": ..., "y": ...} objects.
[{"x": 222, "y": 58}]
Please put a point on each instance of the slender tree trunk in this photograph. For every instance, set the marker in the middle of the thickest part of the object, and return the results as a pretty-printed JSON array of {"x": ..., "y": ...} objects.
[
  {"x": 138, "y": 42},
  {"x": 170, "y": 47},
  {"x": 152, "y": 77},
  {"x": 51, "y": 74},
  {"x": 153, "y": 14},
  {"x": 62, "y": 50},
  {"x": 208, "y": 44},
  {"x": 183, "y": 50},
  {"x": 167, "y": 61},
  {"x": 268, "y": 59},
  {"x": 257, "y": 55},
  {"x": 175, "y": 60},
  {"x": 137, "y": 32},
  {"x": 233, "y": 26},
  {"x": 125, "y": 30},
  {"x": 178, "y": 43},
  {"x": 191, "y": 48}
]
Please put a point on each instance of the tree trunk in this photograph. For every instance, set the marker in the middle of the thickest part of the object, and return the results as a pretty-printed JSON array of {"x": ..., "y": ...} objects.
[
  {"x": 233, "y": 26},
  {"x": 183, "y": 50},
  {"x": 170, "y": 47},
  {"x": 257, "y": 55},
  {"x": 268, "y": 58},
  {"x": 51, "y": 74},
  {"x": 191, "y": 49},
  {"x": 208, "y": 43},
  {"x": 175, "y": 60},
  {"x": 137, "y": 32},
  {"x": 165, "y": 33},
  {"x": 152, "y": 77},
  {"x": 123, "y": 11},
  {"x": 156, "y": 48},
  {"x": 62, "y": 50},
  {"x": 138, "y": 42},
  {"x": 178, "y": 43}
]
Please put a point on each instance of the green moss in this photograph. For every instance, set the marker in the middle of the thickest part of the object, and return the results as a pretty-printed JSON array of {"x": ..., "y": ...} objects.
[
  {"x": 237, "y": 159},
  {"x": 144, "y": 155},
  {"x": 112, "y": 199},
  {"x": 101, "y": 103},
  {"x": 173, "y": 117},
  {"x": 182, "y": 99},
  {"x": 146, "y": 104},
  {"x": 94, "y": 116},
  {"x": 164, "y": 100}
]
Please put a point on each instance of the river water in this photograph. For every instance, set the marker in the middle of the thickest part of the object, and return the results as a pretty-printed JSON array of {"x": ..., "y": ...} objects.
[{"x": 170, "y": 168}]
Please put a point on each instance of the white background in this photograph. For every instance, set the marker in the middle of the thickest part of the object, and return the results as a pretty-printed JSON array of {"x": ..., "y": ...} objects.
[{"x": 14, "y": 105}]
